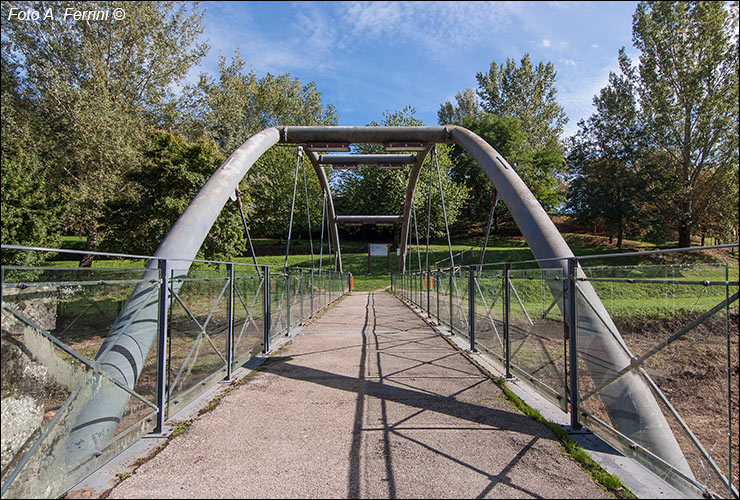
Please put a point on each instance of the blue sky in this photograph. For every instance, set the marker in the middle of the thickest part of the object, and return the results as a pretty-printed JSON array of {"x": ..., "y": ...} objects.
[{"x": 370, "y": 57}]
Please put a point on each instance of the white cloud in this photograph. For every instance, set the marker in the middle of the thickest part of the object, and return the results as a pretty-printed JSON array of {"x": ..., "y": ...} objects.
[
  {"x": 568, "y": 62},
  {"x": 546, "y": 43},
  {"x": 577, "y": 94},
  {"x": 435, "y": 26}
]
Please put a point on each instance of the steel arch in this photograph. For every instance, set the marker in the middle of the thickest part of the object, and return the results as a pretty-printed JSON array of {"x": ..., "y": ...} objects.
[{"x": 643, "y": 420}]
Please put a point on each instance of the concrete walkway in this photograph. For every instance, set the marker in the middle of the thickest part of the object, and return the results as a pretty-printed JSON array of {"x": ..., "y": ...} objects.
[{"x": 368, "y": 402}]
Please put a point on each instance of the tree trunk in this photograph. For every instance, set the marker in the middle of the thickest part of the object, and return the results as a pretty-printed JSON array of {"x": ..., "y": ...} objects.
[
  {"x": 92, "y": 245},
  {"x": 684, "y": 233},
  {"x": 702, "y": 239},
  {"x": 684, "y": 222}
]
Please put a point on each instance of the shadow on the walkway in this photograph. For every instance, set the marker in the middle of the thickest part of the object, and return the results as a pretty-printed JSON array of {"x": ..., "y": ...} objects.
[{"x": 484, "y": 418}]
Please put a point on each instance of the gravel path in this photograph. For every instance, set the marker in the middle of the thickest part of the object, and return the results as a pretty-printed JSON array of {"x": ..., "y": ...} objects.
[{"x": 367, "y": 402}]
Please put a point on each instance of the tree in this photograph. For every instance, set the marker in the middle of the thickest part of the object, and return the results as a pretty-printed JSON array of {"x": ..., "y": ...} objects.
[
  {"x": 540, "y": 170},
  {"x": 99, "y": 86},
  {"x": 526, "y": 93},
  {"x": 162, "y": 187},
  {"x": 238, "y": 104},
  {"x": 688, "y": 90},
  {"x": 269, "y": 189},
  {"x": 519, "y": 116},
  {"x": 467, "y": 107},
  {"x": 235, "y": 105},
  {"x": 30, "y": 207},
  {"x": 605, "y": 154}
]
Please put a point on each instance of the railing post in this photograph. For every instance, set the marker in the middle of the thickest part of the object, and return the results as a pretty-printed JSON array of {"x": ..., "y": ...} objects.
[
  {"x": 439, "y": 322},
  {"x": 287, "y": 293},
  {"x": 164, "y": 294},
  {"x": 266, "y": 306},
  {"x": 471, "y": 307},
  {"x": 572, "y": 341},
  {"x": 507, "y": 311},
  {"x": 230, "y": 313},
  {"x": 429, "y": 293},
  {"x": 449, "y": 291},
  {"x": 312, "y": 310},
  {"x": 729, "y": 383},
  {"x": 300, "y": 289}
]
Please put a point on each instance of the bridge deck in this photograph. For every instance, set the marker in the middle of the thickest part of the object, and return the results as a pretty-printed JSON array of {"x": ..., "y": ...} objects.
[{"x": 367, "y": 402}]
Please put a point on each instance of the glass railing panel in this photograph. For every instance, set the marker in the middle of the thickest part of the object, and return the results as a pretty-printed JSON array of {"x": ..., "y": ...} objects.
[
  {"x": 537, "y": 332},
  {"x": 301, "y": 298},
  {"x": 54, "y": 322},
  {"x": 671, "y": 346},
  {"x": 249, "y": 333},
  {"x": 444, "y": 298},
  {"x": 198, "y": 323},
  {"x": 489, "y": 324},
  {"x": 278, "y": 303},
  {"x": 459, "y": 294}
]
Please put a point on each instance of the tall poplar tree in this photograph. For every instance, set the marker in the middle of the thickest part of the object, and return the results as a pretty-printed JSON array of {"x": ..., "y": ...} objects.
[
  {"x": 687, "y": 83},
  {"x": 609, "y": 183},
  {"x": 527, "y": 93}
]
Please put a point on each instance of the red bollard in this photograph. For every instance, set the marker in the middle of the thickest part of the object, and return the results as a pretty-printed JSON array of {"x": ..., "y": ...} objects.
[{"x": 427, "y": 280}]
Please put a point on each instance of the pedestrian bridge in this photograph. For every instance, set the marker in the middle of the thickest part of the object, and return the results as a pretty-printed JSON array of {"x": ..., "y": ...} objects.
[
  {"x": 379, "y": 394},
  {"x": 93, "y": 359}
]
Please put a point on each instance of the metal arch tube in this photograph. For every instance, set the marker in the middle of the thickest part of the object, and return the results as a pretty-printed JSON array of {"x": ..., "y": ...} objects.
[
  {"x": 630, "y": 404},
  {"x": 332, "y": 215},
  {"x": 410, "y": 189},
  {"x": 131, "y": 338},
  {"x": 369, "y": 219},
  {"x": 357, "y": 159}
]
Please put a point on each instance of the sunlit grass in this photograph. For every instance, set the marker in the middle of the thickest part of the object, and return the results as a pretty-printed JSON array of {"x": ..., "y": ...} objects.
[{"x": 355, "y": 259}]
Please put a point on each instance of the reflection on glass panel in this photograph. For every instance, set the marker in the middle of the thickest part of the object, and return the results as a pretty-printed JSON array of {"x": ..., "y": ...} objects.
[
  {"x": 54, "y": 322},
  {"x": 672, "y": 322},
  {"x": 198, "y": 329},
  {"x": 489, "y": 323},
  {"x": 536, "y": 330},
  {"x": 248, "y": 318}
]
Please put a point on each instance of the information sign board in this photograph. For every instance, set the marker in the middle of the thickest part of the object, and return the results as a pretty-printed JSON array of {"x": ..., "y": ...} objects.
[{"x": 379, "y": 249}]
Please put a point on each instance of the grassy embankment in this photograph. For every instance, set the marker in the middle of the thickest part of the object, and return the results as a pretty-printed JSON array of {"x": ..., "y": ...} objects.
[{"x": 354, "y": 257}]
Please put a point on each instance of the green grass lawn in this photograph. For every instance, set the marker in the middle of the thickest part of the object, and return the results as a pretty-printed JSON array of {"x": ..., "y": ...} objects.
[{"x": 355, "y": 260}]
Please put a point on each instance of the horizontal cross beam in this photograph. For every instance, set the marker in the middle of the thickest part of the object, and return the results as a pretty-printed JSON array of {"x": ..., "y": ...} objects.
[
  {"x": 366, "y": 159},
  {"x": 369, "y": 219}
]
